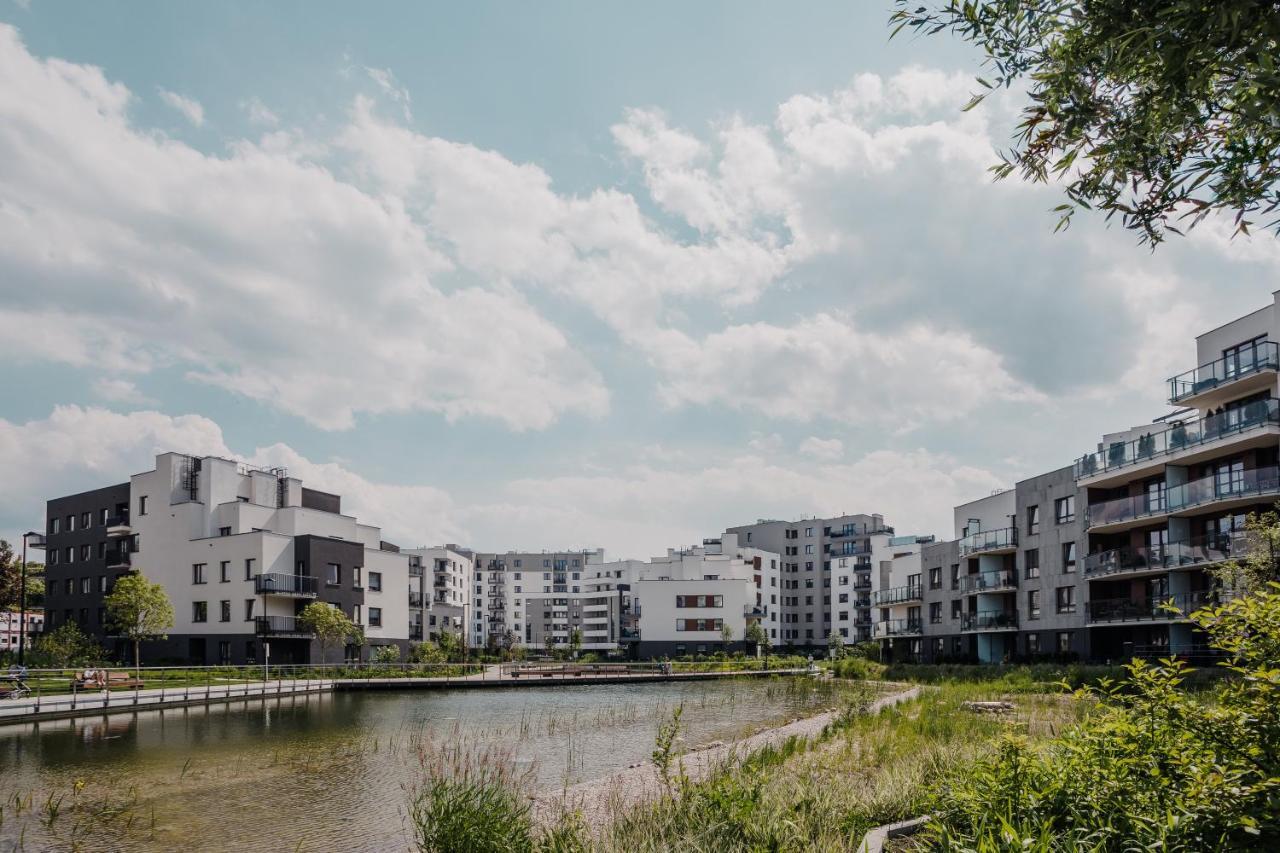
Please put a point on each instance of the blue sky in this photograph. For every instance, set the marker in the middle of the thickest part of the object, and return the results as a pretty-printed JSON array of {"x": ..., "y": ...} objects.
[{"x": 558, "y": 274}]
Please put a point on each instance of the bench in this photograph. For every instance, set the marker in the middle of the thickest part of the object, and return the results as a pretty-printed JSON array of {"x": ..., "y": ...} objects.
[{"x": 104, "y": 681}]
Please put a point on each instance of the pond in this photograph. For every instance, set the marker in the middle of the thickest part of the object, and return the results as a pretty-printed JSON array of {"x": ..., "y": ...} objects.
[{"x": 336, "y": 771}]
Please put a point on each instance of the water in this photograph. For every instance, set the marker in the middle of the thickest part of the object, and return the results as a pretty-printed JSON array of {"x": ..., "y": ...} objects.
[{"x": 334, "y": 771}]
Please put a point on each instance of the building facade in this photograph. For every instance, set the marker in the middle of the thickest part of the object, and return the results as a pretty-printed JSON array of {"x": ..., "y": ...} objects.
[
  {"x": 239, "y": 551},
  {"x": 537, "y": 597},
  {"x": 11, "y": 628}
]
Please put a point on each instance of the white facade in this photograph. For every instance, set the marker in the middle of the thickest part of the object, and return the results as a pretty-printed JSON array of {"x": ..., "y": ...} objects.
[
  {"x": 526, "y": 595},
  {"x": 440, "y": 591},
  {"x": 9, "y": 628}
]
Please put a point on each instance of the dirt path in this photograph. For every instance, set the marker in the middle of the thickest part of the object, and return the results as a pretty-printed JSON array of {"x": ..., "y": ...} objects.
[{"x": 600, "y": 800}]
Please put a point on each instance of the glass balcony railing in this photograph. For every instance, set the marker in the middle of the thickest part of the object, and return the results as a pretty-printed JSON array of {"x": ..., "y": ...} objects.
[
  {"x": 1177, "y": 436},
  {"x": 989, "y": 620},
  {"x": 1000, "y": 579},
  {"x": 898, "y": 628},
  {"x": 1256, "y": 482},
  {"x": 1255, "y": 359},
  {"x": 1198, "y": 551},
  {"x": 898, "y": 595},
  {"x": 1155, "y": 607},
  {"x": 989, "y": 540}
]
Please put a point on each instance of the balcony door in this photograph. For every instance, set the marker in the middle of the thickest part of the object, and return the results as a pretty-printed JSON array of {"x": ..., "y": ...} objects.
[{"x": 1228, "y": 478}]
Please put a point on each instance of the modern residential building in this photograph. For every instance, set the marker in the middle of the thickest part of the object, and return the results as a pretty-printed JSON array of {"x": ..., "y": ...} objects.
[
  {"x": 528, "y": 597},
  {"x": 439, "y": 591},
  {"x": 813, "y": 552},
  {"x": 11, "y": 630},
  {"x": 239, "y": 550}
]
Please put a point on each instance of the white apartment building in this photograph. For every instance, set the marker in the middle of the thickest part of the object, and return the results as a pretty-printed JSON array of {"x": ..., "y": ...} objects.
[
  {"x": 10, "y": 630},
  {"x": 439, "y": 591},
  {"x": 239, "y": 551},
  {"x": 526, "y": 597}
]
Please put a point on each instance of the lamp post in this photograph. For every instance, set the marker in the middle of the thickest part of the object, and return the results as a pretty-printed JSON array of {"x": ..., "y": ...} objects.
[{"x": 38, "y": 542}]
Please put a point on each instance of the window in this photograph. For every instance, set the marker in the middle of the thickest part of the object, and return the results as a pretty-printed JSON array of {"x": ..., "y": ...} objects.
[
  {"x": 1031, "y": 562},
  {"x": 1033, "y": 644},
  {"x": 1245, "y": 357},
  {"x": 699, "y": 624},
  {"x": 1064, "y": 509},
  {"x": 248, "y": 609},
  {"x": 1033, "y": 519},
  {"x": 333, "y": 574},
  {"x": 955, "y": 576},
  {"x": 248, "y": 569},
  {"x": 224, "y": 531},
  {"x": 1033, "y": 604},
  {"x": 808, "y": 549},
  {"x": 355, "y": 614},
  {"x": 516, "y": 563},
  {"x": 69, "y": 586},
  {"x": 808, "y": 532},
  {"x": 375, "y": 581},
  {"x": 197, "y": 573},
  {"x": 199, "y": 611},
  {"x": 86, "y": 586},
  {"x": 86, "y": 553},
  {"x": 844, "y": 598},
  {"x": 699, "y": 601},
  {"x": 55, "y": 525},
  {"x": 103, "y": 515},
  {"x": 935, "y": 612},
  {"x": 69, "y": 554},
  {"x": 71, "y": 523},
  {"x": 956, "y": 609},
  {"x": 224, "y": 611},
  {"x": 1068, "y": 557},
  {"x": 102, "y": 583},
  {"x": 935, "y": 578},
  {"x": 356, "y": 572},
  {"x": 375, "y": 617},
  {"x": 142, "y": 505},
  {"x": 86, "y": 521},
  {"x": 1066, "y": 599},
  {"x": 1064, "y": 642},
  {"x": 102, "y": 550},
  {"x": 224, "y": 652},
  {"x": 224, "y": 571},
  {"x": 1156, "y": 493}
]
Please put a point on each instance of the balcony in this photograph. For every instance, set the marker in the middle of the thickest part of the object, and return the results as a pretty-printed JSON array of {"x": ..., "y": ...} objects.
[
  {"x": 1179, "y": 439},
  {"x": 898, "y": 628},
  {"x": 1156, "y": 608},
  {"x": 415, "y": 598},
  {"x": 290, "y": 586},
  {"x": 996, "y": 581},
  {"x": 1002, "y": 540},
  {"x": 846, "y": 551},
  {"x": 118, "y": 558},
  {"x": 1196, "y": 552},
  {"x": 990, "y": 620},
  {"x": 118, "y": 525},
  {"x": 1242, "y": 487},
  {"x": 415, "y": 570},
  {"x": 1236, "y": 375},
  {"x": 415, "y": 632},
  {"x": 629, "y": 633},
  {"x": 281, "y": 626},
  {"x": 898, "y": 595},
  {"x": 862, "y": 583}
]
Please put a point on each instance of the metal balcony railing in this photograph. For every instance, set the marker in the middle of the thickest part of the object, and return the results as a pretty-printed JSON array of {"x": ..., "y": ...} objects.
[
  {"x": 989, "y": 620},
  {"x": 1198, "y": 551},
  {"x": 1256, "y": 482},
  {"x": 989, "y": 540},
  {"x": 1176, "y": 436},
  {"x": 118, "y": 558},
  {"x": 1154, "y": 608},
  {"x": 281, "y": 626},
  {"x": 897, "y": 595},
  {"x": 415, "y": 598},
  {"x": 1264, "y": 355},
  {"x": 277, "y": 583},
  {"x": 1000, "y": 579}
]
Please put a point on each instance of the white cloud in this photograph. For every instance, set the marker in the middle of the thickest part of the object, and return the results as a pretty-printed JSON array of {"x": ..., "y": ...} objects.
[
  {"x": 261, "y": 272},
  {"x": 825, "y": 449},
  {"x": 118, "y": 390},
  {"x": 189, "y": 107},
  {"x": 259, "y": 113},
  {"x": 391, "y": 87}
]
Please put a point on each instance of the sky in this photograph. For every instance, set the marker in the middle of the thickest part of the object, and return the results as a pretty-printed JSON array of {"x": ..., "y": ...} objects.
[{"x": 557, "y": 275}]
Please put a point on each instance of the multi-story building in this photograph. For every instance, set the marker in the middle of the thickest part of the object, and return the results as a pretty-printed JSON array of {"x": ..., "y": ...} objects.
[
  {"x": 439, "y": 592},
  {"x": 811, "y": 550},
  {"x": 11, "y": 630},
  {"x": 239, "y": 551},
  {"x": 530, "y": 597}
]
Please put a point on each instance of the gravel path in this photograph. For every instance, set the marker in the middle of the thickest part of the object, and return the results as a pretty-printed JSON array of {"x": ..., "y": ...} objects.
[{"x": 601, "y": 800}]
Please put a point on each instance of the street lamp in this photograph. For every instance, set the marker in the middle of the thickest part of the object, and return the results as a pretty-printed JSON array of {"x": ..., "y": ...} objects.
[{"x": 37, "y": 541}]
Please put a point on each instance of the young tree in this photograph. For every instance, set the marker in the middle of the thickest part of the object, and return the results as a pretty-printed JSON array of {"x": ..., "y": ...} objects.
[
  {"x": 451, "y": 645},
  {"x": 329, "y": 625},
  {"x": 67, "y": 645},
  {"x": 836, "y": 644},
  {"x": 550, "y": 645},
  {"x": 1162, "y": 111},
  {"x": 726, "y": 635},
  {"x": 575, "y": 642},
  {"x": 139, "y": 610},
  {"x": 757, "y": 636}
]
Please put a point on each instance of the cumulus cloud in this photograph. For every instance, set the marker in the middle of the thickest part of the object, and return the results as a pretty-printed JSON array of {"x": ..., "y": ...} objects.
[
  {"x": 189, "y": 107},
  {"x": 116, "y": 390},
  {"x": 822, "y": 448},
  {"x": 258, "y": 112}
]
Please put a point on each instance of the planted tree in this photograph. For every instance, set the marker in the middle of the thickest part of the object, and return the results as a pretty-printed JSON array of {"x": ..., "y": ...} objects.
[
  {"x": 450, "y": 645},
  {"x": 836, "y": 644},
  {"x": 67, "y": 645},
  {"x": 1161, "y": 112},
  {"x": 726, "y": 635},
  {"x": 139, "y": 610},
  {"x": 757, "y": 636},
  {"x": 329, "y": 625},
  {"x": 575, "y": 642}
]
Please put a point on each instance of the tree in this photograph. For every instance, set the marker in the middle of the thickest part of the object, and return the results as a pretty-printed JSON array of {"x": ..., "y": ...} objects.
[
  {"x": 549, "y": 644},
  {"x": 139, "y": 610},
  {"x": 329, "y": 625},
  {"x": 1261, "y": 562},
  {"x": 836, "y": 644},
  {"x": 1160, "y": 111},
  {"x": 386, "y": 654},
  {"x": 758, "y": 637},
  {"x": 426, "y": 653},
  {"x": 10, "y": 577},
  {"x": 450, "y": 645},
  {"x": 726, "y": 634},
  {"x": 575, "y": 642},
  {"x": 67, "y": 645}
]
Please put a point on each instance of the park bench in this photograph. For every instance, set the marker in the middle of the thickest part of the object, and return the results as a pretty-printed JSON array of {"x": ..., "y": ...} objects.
[{"x": 101, "y": 681}]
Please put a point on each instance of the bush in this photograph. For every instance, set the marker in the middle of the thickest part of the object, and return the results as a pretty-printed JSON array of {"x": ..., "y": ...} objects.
[
  {"x": 857, "y": 668},
  {"x": 386, "y": 654},
  {"x": 66, "y": 645},
  {"x": 1157, "y": 767}
]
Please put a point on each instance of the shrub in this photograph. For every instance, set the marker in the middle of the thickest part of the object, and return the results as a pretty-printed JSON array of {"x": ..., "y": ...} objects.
[
  {"x": 857, "y": 668},
  {"x": 386, "y": 654}
]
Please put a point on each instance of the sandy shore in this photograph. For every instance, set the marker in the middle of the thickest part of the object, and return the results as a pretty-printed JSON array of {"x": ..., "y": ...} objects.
[{"x": 600, "y": 800}]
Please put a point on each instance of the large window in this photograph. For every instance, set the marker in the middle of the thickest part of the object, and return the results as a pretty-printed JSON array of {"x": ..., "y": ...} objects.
[
  {"x": 935, "y": 577},
  {"x": 699, "y": 601},
  {"x": 199, "y": 611},
  {"x": 935, "y": 612},
  {"x": 375, "y": 617},
  {"x": 1068, "y": 557},
  {"x": 1033, "y": 604},
  {"x": 198, "y": 573},
  {"x": 1033, "y": 519},
  {"x": 1031, "y": 562},
  {"x": 1064, "y": 509},
  {"x": 699, "y": 624},
  {"x": 375, "y": 581},
  {"x": 1064, "y": 642},
  {"x": 1243, "y": 358},
  {"x": 333, "y": 574},
  {"x": 1066, "y": 599}
]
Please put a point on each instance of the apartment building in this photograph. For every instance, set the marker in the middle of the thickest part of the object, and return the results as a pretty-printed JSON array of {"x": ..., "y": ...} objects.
[
  {"x": 526, "y": 597},
  {"x": 239, "y": 551},
  {"x": 815, "y": 553},
  {"x": 11, "y": 628},
  {"x": 439, "y": 591}
]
